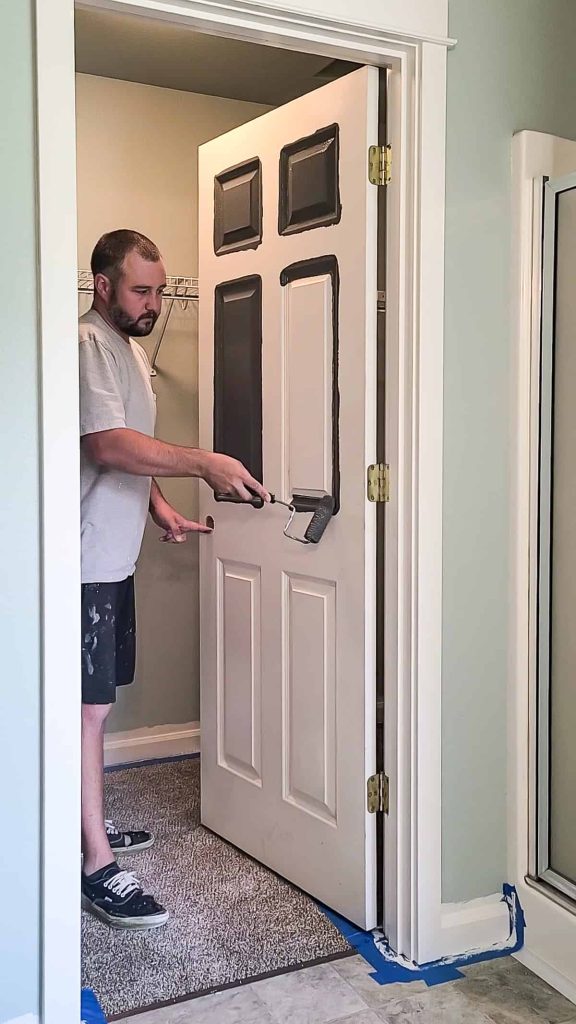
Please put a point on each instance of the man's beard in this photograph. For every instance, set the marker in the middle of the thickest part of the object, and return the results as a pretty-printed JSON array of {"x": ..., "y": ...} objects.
[{"x": 139, "y": 328}]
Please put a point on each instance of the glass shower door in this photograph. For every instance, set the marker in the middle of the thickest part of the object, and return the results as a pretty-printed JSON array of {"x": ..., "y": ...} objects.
[{"x": 556, "y": 790}]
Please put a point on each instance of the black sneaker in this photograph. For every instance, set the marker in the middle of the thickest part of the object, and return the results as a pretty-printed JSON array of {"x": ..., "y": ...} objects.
[
  {"x": 117, "y": 897},
  {"x": 127, "y": 842}
]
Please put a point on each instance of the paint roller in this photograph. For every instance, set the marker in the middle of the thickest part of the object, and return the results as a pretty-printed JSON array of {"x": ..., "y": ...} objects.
[{"x": 318, "y": 503}]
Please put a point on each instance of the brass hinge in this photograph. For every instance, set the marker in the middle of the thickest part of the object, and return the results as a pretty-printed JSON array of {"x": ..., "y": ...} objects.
[
  {"x": 380, "y": 165},
  {"x": 379, "y": 482},
  {"x": 378, "y": 790}
]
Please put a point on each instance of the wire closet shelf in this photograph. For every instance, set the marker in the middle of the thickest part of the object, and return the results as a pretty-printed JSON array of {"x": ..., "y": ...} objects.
[{"x": 181, "y": 288}]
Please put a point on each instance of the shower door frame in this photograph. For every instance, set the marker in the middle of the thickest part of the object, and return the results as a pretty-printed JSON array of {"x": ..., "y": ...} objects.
[
  {"x": 550, "y": 938},
  {"x": 541, "y": 869}
]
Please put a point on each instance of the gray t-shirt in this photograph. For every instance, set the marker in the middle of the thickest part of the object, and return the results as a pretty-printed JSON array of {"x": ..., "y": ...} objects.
[{"x": 115, "y": 391}]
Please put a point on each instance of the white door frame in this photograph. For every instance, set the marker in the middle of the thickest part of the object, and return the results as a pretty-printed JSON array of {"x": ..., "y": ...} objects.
[
  {"x": 551, "y": 936},
  {"x": 415, "y": 315}
]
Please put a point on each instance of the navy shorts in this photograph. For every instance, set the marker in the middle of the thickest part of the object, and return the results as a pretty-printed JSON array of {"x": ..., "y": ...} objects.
[{"x": 108, "y": 639}]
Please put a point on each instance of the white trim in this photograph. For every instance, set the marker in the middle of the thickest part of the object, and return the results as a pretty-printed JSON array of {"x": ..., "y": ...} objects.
[
  {"x": 60, "y": 489},
  {"x": 158, "y": 741},
  {"x": 28, "y": 1018},
  {"x": 427, "y": 409},
  {"x": 415, "y": 296},
  {"x": 474, "y": 925},
  {"x": 550, "y": 941},
  {"x": 248, "y": 18},
  {"x": 544, "y": 970}
]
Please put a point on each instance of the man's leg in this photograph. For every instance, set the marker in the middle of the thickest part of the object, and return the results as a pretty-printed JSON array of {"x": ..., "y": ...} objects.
[
  {"x": 115, "y": 896},
  {"x": 95, "y": 845},
  {"x": 108, "y": 631}
]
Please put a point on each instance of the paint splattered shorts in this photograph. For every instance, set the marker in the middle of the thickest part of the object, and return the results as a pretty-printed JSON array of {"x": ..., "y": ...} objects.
[{"x": 108, "y": 639}]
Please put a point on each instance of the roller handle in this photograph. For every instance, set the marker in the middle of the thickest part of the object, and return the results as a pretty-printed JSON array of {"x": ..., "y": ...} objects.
[{"x": 256, "y": 501}]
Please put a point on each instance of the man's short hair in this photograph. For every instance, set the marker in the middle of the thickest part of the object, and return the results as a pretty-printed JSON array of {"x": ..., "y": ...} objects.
[{"x": 112, "y": 249}]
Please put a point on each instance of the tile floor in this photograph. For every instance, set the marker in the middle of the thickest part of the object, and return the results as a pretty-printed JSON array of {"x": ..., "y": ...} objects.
[{"x": 498, "y": 992}]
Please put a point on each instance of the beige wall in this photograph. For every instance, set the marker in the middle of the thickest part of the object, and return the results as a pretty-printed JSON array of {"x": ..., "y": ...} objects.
[{"x": 137, "y": 168}]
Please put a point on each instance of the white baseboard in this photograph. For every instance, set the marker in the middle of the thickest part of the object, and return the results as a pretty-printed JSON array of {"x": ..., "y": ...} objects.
[
  {"x": 159, "y": 741},
  {"x": 566, "y": 986},
  {"x": 28, "y": 1018},
  {"x": 474, "y": 925}
]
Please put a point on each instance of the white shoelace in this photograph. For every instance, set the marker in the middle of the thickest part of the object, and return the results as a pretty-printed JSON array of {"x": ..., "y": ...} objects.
[
  {"x": 111, "y": 829},
  {"x": 122, "y": 884}
]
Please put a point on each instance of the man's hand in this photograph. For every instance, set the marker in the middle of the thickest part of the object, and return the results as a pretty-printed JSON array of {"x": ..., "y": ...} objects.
[
  {"x": 228, "y": 476},
  {"x": 176, "y": 527}
]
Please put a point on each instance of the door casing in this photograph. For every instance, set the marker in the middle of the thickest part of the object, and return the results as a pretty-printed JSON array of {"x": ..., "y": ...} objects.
[{"x": 414, "y": 413}]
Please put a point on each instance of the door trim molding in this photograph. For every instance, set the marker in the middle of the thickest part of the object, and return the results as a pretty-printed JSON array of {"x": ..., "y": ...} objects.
[
  {"x": 415, "y": 320},
  {"x": 60, "y": 979},
  {"x": 551, "y": 937},
  {"x": 254, "y": 17}
]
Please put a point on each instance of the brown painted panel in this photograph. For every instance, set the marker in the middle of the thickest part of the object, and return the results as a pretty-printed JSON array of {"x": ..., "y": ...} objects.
[
  {"x": 309, "y": 182},
  {"x": 238, "y": 371},
  {"x": 238, "y": 208}
]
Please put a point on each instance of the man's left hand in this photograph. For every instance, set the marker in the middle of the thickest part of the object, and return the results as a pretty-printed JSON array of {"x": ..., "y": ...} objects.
[{"x": 176, "y": 527}]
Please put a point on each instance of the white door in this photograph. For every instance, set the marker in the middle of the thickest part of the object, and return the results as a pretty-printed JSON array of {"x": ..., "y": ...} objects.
[{"x": 287, "y": 383}]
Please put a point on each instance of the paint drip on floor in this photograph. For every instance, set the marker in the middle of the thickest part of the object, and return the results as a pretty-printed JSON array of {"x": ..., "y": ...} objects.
[{"x": 389, "y": 967}]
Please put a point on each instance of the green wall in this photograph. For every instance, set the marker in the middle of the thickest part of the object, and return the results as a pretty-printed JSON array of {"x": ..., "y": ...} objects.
[
  {"x": 513, "y": 68},
  {"x": 19, "y": 525}
]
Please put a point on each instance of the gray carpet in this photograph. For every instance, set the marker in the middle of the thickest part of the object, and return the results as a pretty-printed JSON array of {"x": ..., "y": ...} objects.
[{"x": 231, "y": 919}]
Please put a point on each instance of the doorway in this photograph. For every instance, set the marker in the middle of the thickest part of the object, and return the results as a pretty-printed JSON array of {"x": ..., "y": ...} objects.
[
  {"x": 147, "y": 136},
  {"x": 415, "y": 343}
]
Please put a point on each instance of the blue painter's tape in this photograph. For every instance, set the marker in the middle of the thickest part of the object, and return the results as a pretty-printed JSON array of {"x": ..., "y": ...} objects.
[
  {"x": 389, "y": 967},
  {"x": 90, "y": 1009}
]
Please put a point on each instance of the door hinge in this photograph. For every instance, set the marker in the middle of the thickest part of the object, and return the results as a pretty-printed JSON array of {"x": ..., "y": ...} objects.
[
  {"x": 378, "y": 790},
  {"x": 379, "y": 482},
  {"x": 380, "y": 165}
]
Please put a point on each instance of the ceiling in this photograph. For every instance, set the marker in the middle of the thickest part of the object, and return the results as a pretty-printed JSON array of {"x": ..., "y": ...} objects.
[{"x": 146, "y": 50}]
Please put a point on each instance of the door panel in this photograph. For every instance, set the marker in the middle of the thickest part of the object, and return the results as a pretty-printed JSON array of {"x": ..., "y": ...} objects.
[
  {"x": 238, "y": 208},
  {"x": 309, "y": 685},
  {"x": 288, "y": 630},
  {"x": 309, "y": 182},
  {"x": 238, "y": 670},
  {"x": 307, "y": 384},
  {"x": 238, "y": 371}
]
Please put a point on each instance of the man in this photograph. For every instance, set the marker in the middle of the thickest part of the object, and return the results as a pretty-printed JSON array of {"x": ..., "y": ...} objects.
[{"x": 119, "y": 460}]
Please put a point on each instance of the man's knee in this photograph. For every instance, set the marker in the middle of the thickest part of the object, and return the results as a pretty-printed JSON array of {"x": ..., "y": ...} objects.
[{"x": 94, "y": 715}]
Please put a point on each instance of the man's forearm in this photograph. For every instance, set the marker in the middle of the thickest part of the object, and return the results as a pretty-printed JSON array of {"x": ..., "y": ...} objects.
[{"x": 133, "y": 452}]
